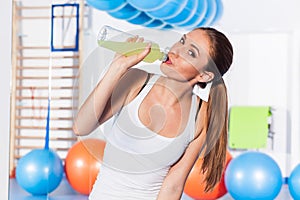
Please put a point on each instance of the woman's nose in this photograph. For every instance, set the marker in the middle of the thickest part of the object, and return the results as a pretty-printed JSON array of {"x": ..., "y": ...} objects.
[
  {"x": 177, "y": 49},
  {"x": 173, "y": 54}
]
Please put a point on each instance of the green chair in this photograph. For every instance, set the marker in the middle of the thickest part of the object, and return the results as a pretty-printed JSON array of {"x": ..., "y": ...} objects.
[{"x": 249, "y": 127}]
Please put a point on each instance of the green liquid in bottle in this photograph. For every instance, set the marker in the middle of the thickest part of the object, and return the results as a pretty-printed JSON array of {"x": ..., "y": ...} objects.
[{"x": 129, "y": 48}]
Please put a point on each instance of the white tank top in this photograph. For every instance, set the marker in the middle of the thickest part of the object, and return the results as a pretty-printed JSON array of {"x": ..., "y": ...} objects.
[{"x": 136, "y": 160}]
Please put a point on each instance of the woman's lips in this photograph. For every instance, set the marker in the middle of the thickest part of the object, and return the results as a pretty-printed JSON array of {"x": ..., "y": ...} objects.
[{"x": 168, "y": 61}]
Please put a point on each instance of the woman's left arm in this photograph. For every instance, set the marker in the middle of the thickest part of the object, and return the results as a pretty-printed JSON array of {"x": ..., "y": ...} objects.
[{"x": 173, "y": 184}]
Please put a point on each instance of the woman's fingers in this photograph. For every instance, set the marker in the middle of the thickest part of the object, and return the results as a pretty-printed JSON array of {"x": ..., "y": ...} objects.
[
  {"x": 140, "y": 39},
  {"x": 130, "y": 61},
  {"x": 134, "y": 59},
  {"x": 135, "y": 39},
  {"x": 132, "y": 39}
]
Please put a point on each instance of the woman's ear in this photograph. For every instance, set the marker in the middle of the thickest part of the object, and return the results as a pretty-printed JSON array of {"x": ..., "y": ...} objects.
[{"x": 205, "y": 76}]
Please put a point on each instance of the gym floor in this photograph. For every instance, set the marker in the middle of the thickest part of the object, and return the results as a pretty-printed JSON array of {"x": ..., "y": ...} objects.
[
  {"x": 283, "y": 195},
  {"x": 65, "y": 192}
]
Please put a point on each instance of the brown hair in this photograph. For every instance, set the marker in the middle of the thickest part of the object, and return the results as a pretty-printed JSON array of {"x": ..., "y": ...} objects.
[{"x": 221, "y": 55}]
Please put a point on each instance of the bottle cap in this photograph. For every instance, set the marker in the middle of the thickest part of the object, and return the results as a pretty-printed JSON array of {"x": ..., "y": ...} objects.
[{"x": 165, "y": 54}]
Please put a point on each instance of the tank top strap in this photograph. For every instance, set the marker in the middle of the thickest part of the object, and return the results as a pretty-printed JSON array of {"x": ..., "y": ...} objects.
[
  {"x": 192, "y": 116},
  {"x": 148, "y": 85},
  {"x": 153, "y": 78}
]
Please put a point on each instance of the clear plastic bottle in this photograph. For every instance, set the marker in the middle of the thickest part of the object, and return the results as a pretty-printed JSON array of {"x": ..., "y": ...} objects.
[{"x": 115, "y": 40}]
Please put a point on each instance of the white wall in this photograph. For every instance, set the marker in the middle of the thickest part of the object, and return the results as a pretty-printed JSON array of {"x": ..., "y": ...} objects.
[
  {"x": 5, "y": 59},
  {"x": 293, "y": 102},
  {"x": 260, "y": 15}
]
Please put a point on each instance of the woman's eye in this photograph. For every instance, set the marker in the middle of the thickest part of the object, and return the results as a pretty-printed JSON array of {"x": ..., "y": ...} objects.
[
  {"x": 181, "y": 41},
  {"x": 191, "y": 53}
]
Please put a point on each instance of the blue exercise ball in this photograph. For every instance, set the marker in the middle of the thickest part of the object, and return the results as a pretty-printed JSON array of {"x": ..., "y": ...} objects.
[
  {"x": 219, "y": 12},
  {"x": 126, "y": 13},
  {"x": 167, "y": 27},
  {"x": 155, "y": 24},
  {"x": 170, "y": 10},
  {"x": 40, "y": 171},
  {"x": 141, "y": 19},
  {"x": 147, "y": 5},
  {"x": 294, "y": 183},
  {"x": 106, "y": 5},
  {"x": 197, "y": 17},
  {"x": 185, "y": 14},
  {"x": 253, "y": 176},
  {"x": 210, "y": 13}
]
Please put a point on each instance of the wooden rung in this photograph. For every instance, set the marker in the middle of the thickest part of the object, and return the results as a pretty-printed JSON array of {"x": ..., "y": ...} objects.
[
  {"x": 46, "y": 98},
  {"x": 28, "y": 147},
  {"x": 60, "y": 149},
  {"x": 33, "y": 47},
  {"x": 46, "y": 88},
  {"x": 43, "y": 118},
  {"x": 43, "y": 108},
  {"x": 40, "y": 147},
  {"x": 45, "y": 17},
  {"x": 64, "y": 47},
  {"x": 33, "y": 7},
  {"x": 42, "y": 127},
  {"x": 33, "y": 17},
  {"x": 45, "y": 77},
  {"x": 47, "y": 67},
  {"x": 45, "y": 57},
  {"x": 64, "y": 16},
  {"x": 17, "y": 157},
  {"x": 26, "y": 137}
]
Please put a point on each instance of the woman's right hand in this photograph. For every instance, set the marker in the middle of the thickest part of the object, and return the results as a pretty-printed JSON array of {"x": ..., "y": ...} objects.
[{"x": 123, "y": 63}]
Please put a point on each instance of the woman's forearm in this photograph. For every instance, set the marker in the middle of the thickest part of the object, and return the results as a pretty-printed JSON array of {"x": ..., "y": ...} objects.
[{"x": 170, "y": 193}]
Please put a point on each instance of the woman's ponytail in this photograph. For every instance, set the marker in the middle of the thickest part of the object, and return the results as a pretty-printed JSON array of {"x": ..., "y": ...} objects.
[
  {"x": 221, "y": 56},
  {"x": 216, "y": 136}
]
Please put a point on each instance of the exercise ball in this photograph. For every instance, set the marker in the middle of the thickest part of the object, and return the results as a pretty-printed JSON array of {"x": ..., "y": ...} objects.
[
  {"x": 147, "y": 5},
  {"x": 82, "y": 164},
  {"x": 210, "y": 14},
  {"x": 253, "y": 176},
  {"x": 195, "y": 186},
  {"x": 106, "y": 5},
  {"x": 185, "y": 14},
  {"x": 141, "y": 19},
  {"x": 197, "y": 17},
  {"x": 40, "y": 171},
  {"x": 127, "y": 12},
  {"x": 219, "y": 12},
  {"x": 155, "y": 24},
  {"x": 167, "y": 27},
  {"x": 171, "y": 9},
  {"x": 294, "y": 183}
]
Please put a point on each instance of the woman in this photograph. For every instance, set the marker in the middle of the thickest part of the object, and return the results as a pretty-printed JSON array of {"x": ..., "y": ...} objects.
[{"x": 162, "y": 124}]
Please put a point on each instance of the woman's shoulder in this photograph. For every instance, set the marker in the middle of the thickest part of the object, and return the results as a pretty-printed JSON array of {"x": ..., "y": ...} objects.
[
  {"x": 140, "y": 77},
  {"x": 136, "y": 77},
  {"x": 137, "y": 74},
  {"x": 134, "y": 80}
]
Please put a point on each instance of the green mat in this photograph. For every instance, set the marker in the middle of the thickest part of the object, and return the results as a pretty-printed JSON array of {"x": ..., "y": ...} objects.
[{"x": 249, "y": 126}]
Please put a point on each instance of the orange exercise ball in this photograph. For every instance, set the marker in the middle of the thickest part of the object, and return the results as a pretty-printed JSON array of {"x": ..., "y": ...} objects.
[
  {"x": 195, "y": 185},
  {"x": 82, "y": 164}
]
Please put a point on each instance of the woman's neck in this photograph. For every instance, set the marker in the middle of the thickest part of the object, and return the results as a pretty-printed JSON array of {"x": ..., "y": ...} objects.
[{"x": 170, "y": 91}]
